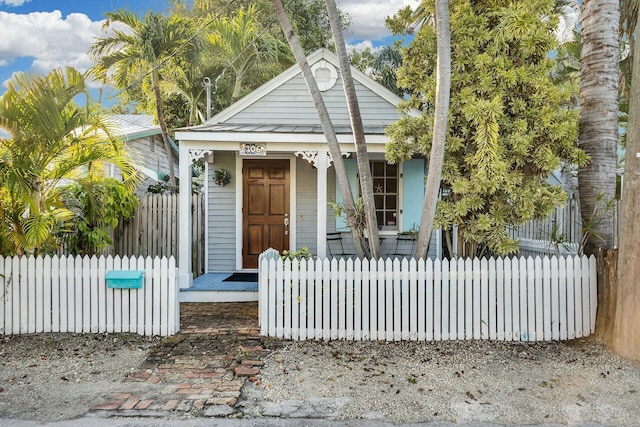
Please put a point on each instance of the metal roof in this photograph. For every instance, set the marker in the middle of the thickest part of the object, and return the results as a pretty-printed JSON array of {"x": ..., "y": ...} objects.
[
  {"x": 288, "y": 129},
  {"x": 132, "y": 124}
]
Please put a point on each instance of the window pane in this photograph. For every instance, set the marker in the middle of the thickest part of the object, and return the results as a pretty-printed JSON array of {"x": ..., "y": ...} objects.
[
  {"x": 392, "y": 186},
  {"x": 379, "y": 201},
  {"x": 391, "y": 202},
  {"x": 380, "y": 216},
  {"x": 378, "y": 168},
  {"x": 390, "y": 218},
  {"x": 378, "y": 185},
  {"x": 392, "y": 170}
]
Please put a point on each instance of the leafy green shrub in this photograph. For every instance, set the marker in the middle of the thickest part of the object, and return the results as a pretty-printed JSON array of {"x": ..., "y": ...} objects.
[{"x": 299, "y": 254}]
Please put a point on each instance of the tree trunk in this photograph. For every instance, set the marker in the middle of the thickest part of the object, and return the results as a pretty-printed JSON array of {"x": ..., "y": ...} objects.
[
  {"x": 327, "y": 127},
  {"x": 441, "y": 114},
  {"x": 607, "y": 294},
  {"x": 364, "y": 168},
  {"x": 626, "y": 332},
  {"x": 237, "y": 87},
  {"x": 599, "y": 73},
  {"x": 163, "y": 128}
]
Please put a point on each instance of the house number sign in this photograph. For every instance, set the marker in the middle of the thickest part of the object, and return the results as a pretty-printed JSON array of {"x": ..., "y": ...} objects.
[{"x": 253, "y": 150}]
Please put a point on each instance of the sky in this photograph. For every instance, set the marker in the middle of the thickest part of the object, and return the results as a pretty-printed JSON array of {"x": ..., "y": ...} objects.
[{"x": 39, "y": 35}]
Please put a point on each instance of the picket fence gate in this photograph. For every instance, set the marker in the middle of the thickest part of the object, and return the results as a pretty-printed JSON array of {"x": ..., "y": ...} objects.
[
  {"x": 516, "y": 299},
  {"x": 70, "y": 294}
]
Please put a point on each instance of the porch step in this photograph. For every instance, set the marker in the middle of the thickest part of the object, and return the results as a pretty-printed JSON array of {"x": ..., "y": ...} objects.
[
  {"x": 188, "y": 295},
  {"x": 214, "y": 287}
]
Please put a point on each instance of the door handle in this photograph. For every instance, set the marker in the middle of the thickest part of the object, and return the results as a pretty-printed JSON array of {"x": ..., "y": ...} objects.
[{"x": 286, "y": 222}]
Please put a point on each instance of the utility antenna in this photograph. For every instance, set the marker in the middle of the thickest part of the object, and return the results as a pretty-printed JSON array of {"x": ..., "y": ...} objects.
[{"x": 206, "y": 82}]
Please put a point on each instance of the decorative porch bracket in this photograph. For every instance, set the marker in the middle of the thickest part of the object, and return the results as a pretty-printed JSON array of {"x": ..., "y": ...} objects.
[
  {"x": 311, "y": 157},
  {"x": 195, "y": 155}
]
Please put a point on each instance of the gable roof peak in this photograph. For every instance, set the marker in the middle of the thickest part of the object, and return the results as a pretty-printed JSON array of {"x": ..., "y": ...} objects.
[{"x": 322, "y": 54}]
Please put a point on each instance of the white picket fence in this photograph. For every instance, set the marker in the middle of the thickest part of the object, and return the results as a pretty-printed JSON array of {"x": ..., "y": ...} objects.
[
  {"x": 518, "y": 299},
  {"x": 69, "y": 294}
]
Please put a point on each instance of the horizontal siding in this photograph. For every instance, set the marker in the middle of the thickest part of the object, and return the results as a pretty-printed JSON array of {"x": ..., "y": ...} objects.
[
  {"x": 307, "y": 211},
  {"x": 149, "y": 152},
  {"x": 331, "y": 197},
  {"x": 291, "y": 104},
  {"x": 221, "y": 214}
]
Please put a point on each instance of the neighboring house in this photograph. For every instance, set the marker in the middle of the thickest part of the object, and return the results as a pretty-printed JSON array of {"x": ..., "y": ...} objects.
[
  {"x": 143, "y": 140},
  {"x": 282, "y": 179}
]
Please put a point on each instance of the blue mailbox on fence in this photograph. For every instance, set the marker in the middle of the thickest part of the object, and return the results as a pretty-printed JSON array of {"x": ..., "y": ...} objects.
[{"x": 124, "y": 279}]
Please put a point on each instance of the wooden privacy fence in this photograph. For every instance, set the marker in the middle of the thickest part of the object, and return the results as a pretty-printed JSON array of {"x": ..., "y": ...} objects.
[
  {"x": 153, "y": 230},
  {"x": 70, "y": 294},
  {"x": 518, "y": 299}
]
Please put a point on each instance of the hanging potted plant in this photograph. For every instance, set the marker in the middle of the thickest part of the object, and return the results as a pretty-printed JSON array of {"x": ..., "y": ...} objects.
[{"x": 221, "y": 176}]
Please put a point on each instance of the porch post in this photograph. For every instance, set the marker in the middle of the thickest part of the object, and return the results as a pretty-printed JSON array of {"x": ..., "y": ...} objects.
[
  {"x": 321, "y": 239},
  {"x": 184, "y": 220}
]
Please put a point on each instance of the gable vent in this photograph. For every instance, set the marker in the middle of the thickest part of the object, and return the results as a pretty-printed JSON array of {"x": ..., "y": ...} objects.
[{"x": 325, "y": 74}]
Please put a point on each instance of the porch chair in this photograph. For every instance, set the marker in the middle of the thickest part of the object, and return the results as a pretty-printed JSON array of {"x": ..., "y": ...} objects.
[
  {"x": 405, "y": 244},
  {"x": 335, "y": 246}
]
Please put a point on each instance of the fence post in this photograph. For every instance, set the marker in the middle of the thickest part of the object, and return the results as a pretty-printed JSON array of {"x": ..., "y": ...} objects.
[{"x": 174, "y": 302}]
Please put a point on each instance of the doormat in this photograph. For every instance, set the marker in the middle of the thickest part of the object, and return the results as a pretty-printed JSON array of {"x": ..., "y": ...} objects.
[{"x": 242, "y": 277}]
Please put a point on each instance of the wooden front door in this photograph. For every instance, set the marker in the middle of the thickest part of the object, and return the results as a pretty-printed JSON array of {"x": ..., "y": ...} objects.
[{"x": 265, "y": 208}]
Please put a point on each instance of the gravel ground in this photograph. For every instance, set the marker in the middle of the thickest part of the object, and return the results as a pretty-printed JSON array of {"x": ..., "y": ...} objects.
[
  {"x": 58, "y": 376},
  {"x": 500, "y": 382}
]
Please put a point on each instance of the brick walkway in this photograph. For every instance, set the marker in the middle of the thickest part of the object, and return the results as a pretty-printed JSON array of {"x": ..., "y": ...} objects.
[{"x": 199, "y": 371}]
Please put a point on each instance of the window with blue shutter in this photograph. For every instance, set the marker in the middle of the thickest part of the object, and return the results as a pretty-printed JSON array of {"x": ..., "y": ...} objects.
[{"x": 387, "y": 183}]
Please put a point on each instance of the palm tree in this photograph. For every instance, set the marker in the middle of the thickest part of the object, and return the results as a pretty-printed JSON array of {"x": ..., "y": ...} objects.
[
  {"x": 327, "y": 127},
  {"x": 364, "y": 170},
  {"x": 186, "y": 81},
  {"x": 599, "y": 74},
  {"x": 440, "y": 121},
  {"x": 625, "y": 338},
  {"x": 138, "y": 50},
  {"x": 239, "y": 45},
  {"x": 52, "y": 141}
]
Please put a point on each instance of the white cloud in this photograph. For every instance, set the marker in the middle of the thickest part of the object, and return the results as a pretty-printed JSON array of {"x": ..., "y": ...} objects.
[
  {"x": 367, "y": 17},
  {"x": 14, "y": 2},
  {"x": 361, "y": 46},
  {"x": 51, "y": 40}
]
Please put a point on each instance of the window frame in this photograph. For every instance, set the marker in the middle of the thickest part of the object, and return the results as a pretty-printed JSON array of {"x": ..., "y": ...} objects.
[{"x": 397, "y": 211}]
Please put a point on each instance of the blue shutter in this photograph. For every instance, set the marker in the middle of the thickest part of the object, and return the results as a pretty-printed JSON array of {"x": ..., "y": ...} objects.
[
  {"x": 412, "y": 193},
  {"x": 352, "y": 174}
]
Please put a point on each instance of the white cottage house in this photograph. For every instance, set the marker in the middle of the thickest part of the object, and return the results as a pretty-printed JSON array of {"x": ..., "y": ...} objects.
[{"x": 281, "y": 176}]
